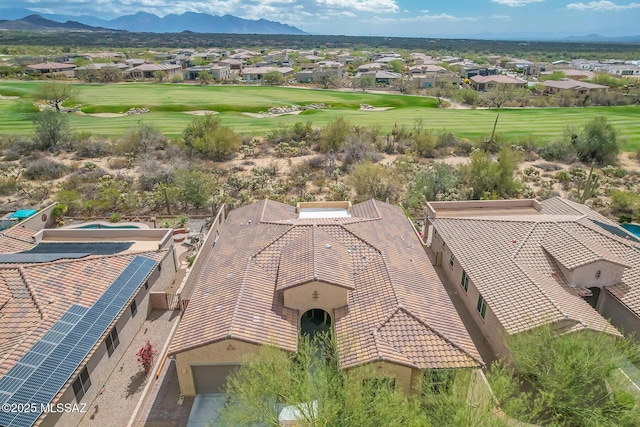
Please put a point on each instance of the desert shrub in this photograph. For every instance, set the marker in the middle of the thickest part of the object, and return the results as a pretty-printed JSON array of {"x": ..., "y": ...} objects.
[
  {"x": 559, "y": 151},
  {"x": 614, "y": 172},
  {"x": 624, "y": 202},
  {"x": 207, "y": 136},
  {"x": 17, "y": 147},
  {"x": 318, "y": 162},
  {"x": 115, "y": 217},
  {"x": 138, "y": 139},
  {"x": 356, "y": 149},
  {"x": 44, "y": 169},
  {"x": 91, "y": 148},
  {"x": 51, "y": 130},
  {"x": 597, "y": 142},
  {"x": 463, "y": 147},
  {"x": 153, "y": 172},
  {"x": 117, "y": 163},
  {"x": 424, "y": 144},
  {"x": 468, "y": 96}
]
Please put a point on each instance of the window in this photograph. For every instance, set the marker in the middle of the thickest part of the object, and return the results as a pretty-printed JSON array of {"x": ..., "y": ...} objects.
[
  {"x": 134, "y": 308},
  {"x": 81, "y": 384},
  {"x": 452, "y": 260},
  {"x": 373, "y": 386},
  {"x": 465, "y": 281},
  {"x": 437, "y": 381},
  {"x": 482, "y": 306},
  {"x": 112, "y": 341}
]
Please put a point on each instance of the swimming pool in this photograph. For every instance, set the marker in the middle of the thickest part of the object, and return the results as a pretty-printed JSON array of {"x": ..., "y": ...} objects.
[
  {"x": 107, "y": 226},
  {"x": 632, "y": 228}
]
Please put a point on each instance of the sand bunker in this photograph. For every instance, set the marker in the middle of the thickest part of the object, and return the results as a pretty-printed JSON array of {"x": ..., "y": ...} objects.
[
  {"x": 7, "y": 98},
  {"x": 104, "y": 114},
  {"x": 367, "y": 107},
  {"x": 201, "y": 112},
  {"x": 267, "y": 115}
]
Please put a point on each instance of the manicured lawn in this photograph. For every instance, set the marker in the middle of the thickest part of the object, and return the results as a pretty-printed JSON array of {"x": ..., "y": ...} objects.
[{"x": 168, "y": 103}]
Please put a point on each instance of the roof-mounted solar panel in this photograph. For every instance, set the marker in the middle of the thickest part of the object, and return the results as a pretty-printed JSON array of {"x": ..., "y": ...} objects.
[{"x": 49, "y": 364}]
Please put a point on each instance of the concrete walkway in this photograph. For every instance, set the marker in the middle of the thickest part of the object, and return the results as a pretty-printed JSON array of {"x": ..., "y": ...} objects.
[{"x": 122, "y": 390}]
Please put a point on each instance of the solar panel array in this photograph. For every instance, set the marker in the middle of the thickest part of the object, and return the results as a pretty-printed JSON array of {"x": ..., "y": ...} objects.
[
  {"x": 616, "y": 230},
  {"x": 42, "y": 372}
]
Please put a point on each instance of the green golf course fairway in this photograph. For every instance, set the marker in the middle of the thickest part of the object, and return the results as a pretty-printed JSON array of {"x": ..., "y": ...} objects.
[{"x": 169, "y": 102}]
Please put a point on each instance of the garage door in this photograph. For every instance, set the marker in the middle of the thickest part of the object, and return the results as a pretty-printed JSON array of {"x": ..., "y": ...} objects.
[{"x": 211, "y": 378}]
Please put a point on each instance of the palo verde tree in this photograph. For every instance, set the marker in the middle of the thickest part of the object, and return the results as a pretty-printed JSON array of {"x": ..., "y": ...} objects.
[
  {"x": 207, "y": 136},
  {"x": 312, "y": 383},
  {"x": 55, "y": 93},
  {"x": 51, "y": 130},
  {"x": 272, "y": 78},
  {"x": 597, "y": 142},
  {"x": 568, "y": 380}
]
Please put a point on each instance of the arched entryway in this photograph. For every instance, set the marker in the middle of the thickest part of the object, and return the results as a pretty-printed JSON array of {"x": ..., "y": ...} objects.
[
  {"x": 315, "y": 321},
  {"x": 593, "y": 298}
]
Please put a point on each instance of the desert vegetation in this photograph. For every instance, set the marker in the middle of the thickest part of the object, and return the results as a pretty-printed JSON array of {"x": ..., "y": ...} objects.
[{"x": 136, "y": 168}]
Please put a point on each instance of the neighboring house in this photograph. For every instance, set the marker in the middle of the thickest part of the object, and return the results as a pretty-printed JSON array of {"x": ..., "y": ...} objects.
[
  {"x": 98, "y": 66},
  {"x": 574, "y": 86},
  {"x": 571, "y": 73},
  {"x": 218, "y": 72},
  {"x": 256, "y": 74},
  {"x": 50, "y": 68},
  {"x": 483, "y": 83},
  {"x": 71, "y": 301},
  {"x": 374, "y": 66},
  {"x": 234, "y": 64},
  {"x": 519, "y": 264},
  {"x": 278, "y": 271},
  {"x": 149, "y": 71},
  {"x": 468, "y": 72},
  {"x": 315, "y": 72},
  {"x": 382, "y": 77},
  {"x": 623, "y": 70},
  {"x": 427, "y": 75}
]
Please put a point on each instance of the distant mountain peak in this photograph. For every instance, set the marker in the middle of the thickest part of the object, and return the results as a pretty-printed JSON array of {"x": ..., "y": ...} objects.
[{"x": 148, "y": 22}]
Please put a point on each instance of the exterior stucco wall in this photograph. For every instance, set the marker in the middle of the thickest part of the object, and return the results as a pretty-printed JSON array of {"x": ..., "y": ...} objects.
[
  {"x": 225, "y": 352},
  {"x": 316, "y": 295},
  {"x": 585, "y": 275},
  {"x": 492, "y": 330},
  {"x": 619, "y": 315},
  {"x": 100, "y": 365}
]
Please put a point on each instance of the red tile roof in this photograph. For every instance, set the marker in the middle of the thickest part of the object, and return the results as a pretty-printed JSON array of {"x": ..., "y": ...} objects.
[
  {"x": 513, "y": 261},
  {"x": 264, "y": 248},
  {"x": 42, "y": 293}
]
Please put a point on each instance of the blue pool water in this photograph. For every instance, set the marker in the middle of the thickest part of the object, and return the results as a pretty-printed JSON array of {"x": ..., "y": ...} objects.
[{"x": 632, "y": 228}]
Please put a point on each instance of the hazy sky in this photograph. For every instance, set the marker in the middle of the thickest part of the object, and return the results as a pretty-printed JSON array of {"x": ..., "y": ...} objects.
[{"x": 386, "y": 17}]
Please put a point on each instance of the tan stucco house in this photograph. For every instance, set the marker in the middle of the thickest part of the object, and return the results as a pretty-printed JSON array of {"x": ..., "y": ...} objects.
[
  {"x": 276, "y": 271},
  {"x": 71, "y": 302},
  {"x": 519, "y": 264}
]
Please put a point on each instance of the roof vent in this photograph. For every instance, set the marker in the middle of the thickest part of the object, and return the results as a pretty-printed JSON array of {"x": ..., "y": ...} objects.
[{"x": 327, "y": 245}]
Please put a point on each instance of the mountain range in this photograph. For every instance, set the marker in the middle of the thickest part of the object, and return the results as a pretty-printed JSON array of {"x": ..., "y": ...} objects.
[{"x": 26, "y": 19}]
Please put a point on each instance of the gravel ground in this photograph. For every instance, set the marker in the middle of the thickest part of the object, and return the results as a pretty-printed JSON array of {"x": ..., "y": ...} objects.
[{"x": 127, "y": 381}]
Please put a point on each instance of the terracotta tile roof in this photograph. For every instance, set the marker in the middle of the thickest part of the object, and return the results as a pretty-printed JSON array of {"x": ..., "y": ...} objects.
[
  {"x": 575, "y": 250},
  {"x": 498, "y": 78},
  {"x": 513, "y": 262},
  {"x": 42, "y": 293},
  {"x": 380, "y": 259},
  {"x": 16, "y": 239},
  {"x": 314, "y": 256}
]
